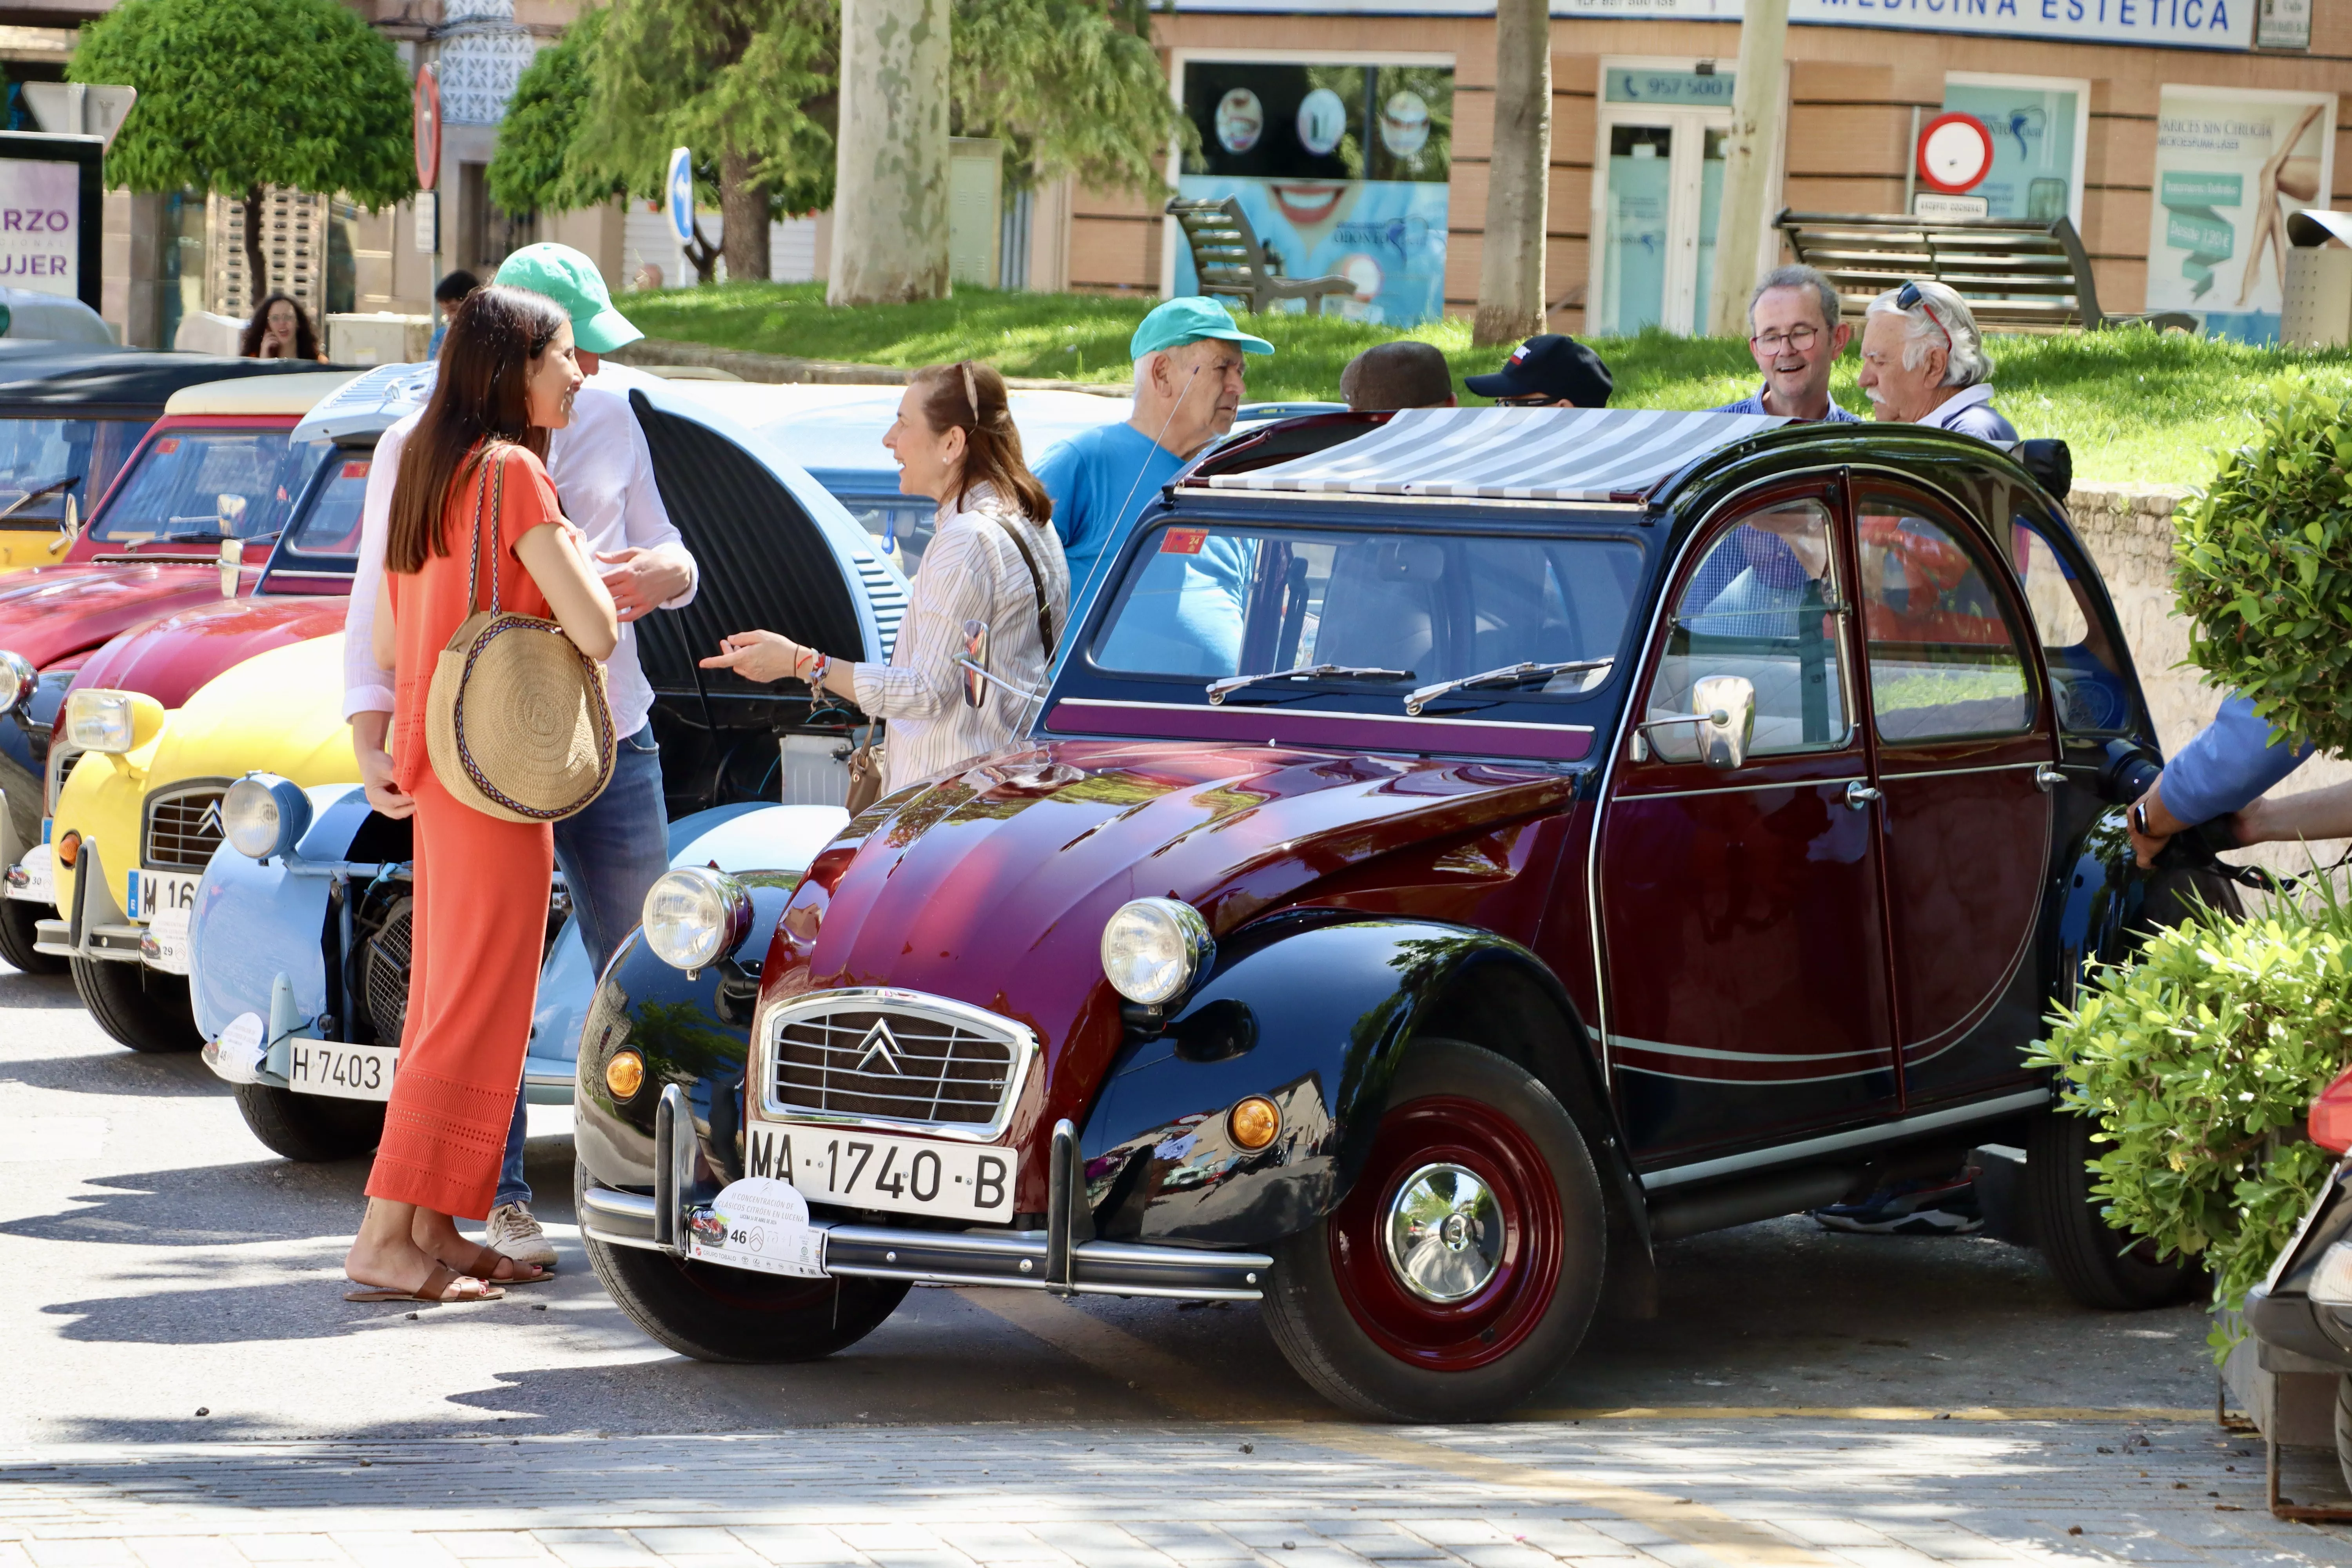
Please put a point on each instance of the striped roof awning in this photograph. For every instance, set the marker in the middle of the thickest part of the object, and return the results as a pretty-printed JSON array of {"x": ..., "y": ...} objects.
[{"x": 1508, "y": 454}]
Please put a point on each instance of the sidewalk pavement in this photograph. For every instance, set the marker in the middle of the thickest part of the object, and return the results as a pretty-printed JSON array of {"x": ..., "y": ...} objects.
[{"x": 1737, "y": 1491}]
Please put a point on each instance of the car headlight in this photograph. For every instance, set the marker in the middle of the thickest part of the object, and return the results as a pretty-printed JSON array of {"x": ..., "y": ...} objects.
[
  {"x": 263, "y": 815},
  {"x": 18, "y": 681},
  {"x": 1153, "y": 949},
  {"x": 694, "y": 917},
  {"x": 98, "y": 720}
]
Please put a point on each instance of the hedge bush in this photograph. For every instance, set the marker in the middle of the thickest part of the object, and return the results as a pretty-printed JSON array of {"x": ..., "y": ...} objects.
[
  {"x": 2263, "y": 566},
  {"x": 2200, "y": 1058}
]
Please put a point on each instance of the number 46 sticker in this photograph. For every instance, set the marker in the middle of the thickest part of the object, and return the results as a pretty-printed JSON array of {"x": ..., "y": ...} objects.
[{"x": 760, "y": 1224}]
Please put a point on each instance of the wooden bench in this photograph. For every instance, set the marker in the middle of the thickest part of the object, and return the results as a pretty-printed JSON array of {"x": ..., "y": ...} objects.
[
  {"x": 1229, "y": 259},
  {"x": 2017, "y": 276}
]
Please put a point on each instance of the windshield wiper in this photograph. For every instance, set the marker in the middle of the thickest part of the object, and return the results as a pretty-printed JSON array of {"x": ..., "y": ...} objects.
[
  {"x": 1220, "y": 689},
  {"x": 30, "y": 497},
  {"x": 1510, "y": 675}
]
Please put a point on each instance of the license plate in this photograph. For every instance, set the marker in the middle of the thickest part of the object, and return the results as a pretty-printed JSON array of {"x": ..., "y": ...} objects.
[
  {"x": 346, "y": 1072},
  {"x": 875, "y": 1170},
  {"x": 158, "y": 893},
  {"x": 40, "y": 883}
]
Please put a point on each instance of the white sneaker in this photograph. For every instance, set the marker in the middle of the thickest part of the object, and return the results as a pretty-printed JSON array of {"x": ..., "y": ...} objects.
[{"x": 513, "y": 1232}]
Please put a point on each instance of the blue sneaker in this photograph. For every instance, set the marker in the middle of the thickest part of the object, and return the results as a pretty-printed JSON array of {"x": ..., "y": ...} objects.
[{"x": 1933, "y": 1206}]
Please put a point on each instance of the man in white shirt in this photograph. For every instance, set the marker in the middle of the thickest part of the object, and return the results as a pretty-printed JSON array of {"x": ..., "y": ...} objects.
[{"x": 611, "y": 852}]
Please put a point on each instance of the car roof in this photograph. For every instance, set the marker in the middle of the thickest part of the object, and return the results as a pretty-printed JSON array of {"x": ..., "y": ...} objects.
[
  {"x": 289, "y": 396},
  {"x": 836, "y": 431},
  {"x": 49, "y": 380}
]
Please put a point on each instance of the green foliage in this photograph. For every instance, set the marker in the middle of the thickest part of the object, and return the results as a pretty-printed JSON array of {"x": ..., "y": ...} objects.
[
  {"x": 531, "y": 170},
  {"x": 1073, "y": 85},
  {"x": 2265, "y": 568},
  {"x": 238, "y": 93},
  {"x": 2201, "y": 1058}
]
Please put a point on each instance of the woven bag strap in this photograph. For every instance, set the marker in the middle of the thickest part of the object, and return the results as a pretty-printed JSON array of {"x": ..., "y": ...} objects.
[{"x": 494, "y": 475}]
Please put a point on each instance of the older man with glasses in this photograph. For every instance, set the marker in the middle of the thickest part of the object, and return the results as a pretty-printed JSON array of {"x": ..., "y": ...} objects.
[
  {"x": 1923, "y": 362},
  {"x": 1796, "y": 336}
]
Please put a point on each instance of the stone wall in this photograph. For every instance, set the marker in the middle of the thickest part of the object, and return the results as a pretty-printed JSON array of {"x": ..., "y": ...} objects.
[{"x": 2128, "y": 532}]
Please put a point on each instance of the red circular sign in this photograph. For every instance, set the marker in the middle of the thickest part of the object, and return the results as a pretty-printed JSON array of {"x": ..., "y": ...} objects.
[
  {"x": 1955, "y": 152},
  {"x": 427, "y": 128}
]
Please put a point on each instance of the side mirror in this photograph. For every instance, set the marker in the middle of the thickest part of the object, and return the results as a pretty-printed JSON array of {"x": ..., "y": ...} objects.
[
  {"x": 1729, "y": 703},
  {"x": 232, "y": 563},
  {"x": 68, "y": 527}
]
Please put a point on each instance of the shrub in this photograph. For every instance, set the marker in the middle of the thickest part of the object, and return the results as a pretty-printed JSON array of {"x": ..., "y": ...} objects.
[
  {"x": 2263, "y": 565},
  {"x": 2200, "y": 1058}
]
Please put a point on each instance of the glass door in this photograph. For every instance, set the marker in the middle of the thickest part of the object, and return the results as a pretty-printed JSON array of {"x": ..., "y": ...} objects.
[
  {"x": 1662, "y": 134},
  {"x": 1640, "y": 199}
]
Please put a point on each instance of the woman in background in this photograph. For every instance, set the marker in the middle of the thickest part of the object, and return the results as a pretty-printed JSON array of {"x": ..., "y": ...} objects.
[{"x": 279, "y": 328}]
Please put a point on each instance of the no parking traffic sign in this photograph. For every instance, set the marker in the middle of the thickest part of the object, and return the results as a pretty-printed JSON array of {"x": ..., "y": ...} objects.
[{"x": 1955, "y": 152}]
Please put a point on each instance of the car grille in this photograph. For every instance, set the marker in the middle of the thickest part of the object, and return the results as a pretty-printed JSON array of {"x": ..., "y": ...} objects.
[
  {"x": 62, "y": 758},
  {"x": 899, "y": 1061},
  {"x": 184, "y": 828},
  {"x": 384, "y": 973}
]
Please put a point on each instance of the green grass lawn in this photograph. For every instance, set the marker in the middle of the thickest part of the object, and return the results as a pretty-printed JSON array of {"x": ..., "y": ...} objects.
[{"x": 2134, "y": 405}]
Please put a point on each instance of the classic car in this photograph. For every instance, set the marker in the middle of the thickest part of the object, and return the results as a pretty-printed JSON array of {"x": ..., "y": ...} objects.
[
  {"x": 214, "y": 476},
  {"x": 2301, "y": 1314},
  {"x": 300, "y": 921},
  {"x": 1464, "y": 849}
]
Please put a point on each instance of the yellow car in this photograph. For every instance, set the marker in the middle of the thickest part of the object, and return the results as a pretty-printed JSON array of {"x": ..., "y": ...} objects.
[{"x": 141, "y": 815}]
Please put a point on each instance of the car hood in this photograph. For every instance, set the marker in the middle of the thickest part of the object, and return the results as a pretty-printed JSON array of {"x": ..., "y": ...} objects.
[
  {"x": 169, "y": 658},
  {"x": 280, "y": 712},
  {"x": 49, "y": 612}
]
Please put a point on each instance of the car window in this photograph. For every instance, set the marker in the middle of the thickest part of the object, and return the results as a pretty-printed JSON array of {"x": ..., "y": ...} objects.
[
  {"x": 1758, "y": 607},
  {"x": 1945, "y": 661},
  {"x": 901, "y": 525},
  {"x": 36, "y": 454},
  {"x": 330, "y": 525},
  {"x": 2087, "y": 677},
  {"x": 1215, "y": 602},
  {"x": 200, "y": 486}
]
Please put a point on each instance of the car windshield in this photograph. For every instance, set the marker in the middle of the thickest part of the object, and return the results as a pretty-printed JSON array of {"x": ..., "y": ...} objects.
[
  {"x": 1246, "y": 600},
  {"x": 36, "y": 454},
  {"x": 330, "y": 524},
  {"x": 200, "y": 486}
]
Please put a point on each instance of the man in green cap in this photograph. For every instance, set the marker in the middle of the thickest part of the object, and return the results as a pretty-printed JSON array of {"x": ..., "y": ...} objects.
[
  {"x": 613, "y": 851},
  {"x": 1188, "y": 358}
]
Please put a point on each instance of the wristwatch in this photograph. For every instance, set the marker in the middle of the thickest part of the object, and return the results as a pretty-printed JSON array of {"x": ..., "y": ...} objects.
[{"x": 2139, "y": 819}]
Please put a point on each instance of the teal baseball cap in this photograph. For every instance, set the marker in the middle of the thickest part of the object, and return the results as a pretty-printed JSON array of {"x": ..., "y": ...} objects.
[
  {"x": 572, "y": 280},
  {"x": 1188, "y": 319}
]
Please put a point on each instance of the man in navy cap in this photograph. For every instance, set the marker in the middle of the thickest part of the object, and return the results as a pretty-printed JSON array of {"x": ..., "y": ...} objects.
[{"x": 1548, "y": 371}]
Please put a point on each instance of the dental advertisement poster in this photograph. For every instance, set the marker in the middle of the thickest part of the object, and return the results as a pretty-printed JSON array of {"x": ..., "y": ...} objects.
[
  {"x": 1341, "y": 170},
  {"x": 2231, "y": 165},
  {"x": 2036, "y": 157}
]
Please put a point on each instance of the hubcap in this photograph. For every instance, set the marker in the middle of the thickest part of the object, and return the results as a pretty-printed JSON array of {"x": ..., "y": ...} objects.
[{"x": 1444, "y": 1234}]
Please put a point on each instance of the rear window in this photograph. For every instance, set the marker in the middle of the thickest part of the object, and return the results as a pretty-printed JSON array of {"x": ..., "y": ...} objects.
[
  {"x": 201, "y": 487},
  {"x": 44, "y": 461}
]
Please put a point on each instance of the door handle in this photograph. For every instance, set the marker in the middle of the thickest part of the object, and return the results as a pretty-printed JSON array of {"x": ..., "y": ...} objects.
[
  {"x": 1859, "y": 794},
  {"x": 2047, "y": 778}
]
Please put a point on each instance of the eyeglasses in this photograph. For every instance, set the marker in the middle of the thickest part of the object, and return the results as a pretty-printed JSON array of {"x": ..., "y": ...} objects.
[
  {"x": 1797, "y": 338},
  {"x": 1526, "y": 399},
  {"x": 1909, "y": 295}
]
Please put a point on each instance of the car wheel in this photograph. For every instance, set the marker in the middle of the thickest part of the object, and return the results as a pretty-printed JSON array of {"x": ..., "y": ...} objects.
[
  {"x": 714, "y": 1313},
  {"x": 2097, "y": 1265},
  {"x": 2344, "y": 1428},
  {"x": 1460, "y": 1272},
  {"x": 144, "y": 1010},
  {"x": 16, "y": 920},
  {"x": 310, "y": 1128}
]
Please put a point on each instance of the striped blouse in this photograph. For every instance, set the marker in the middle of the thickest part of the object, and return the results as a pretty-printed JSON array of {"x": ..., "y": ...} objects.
[{"x": 972, "y": 572}]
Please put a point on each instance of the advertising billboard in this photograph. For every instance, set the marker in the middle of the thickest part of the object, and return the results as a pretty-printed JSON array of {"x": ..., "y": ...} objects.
[
  {"x": 49, "y": 215},
  {"x": 1341, "y": 170},
  {"x": 2231, "y": 165}
]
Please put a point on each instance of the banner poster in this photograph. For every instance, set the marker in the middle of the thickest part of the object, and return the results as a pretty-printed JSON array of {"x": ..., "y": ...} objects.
[
  {"x": 2034, "y": 149},
  {"x": 40, "y": 226},
  {"x": 2231, "y": 165},
  {"x": 1341, "y": 170}
]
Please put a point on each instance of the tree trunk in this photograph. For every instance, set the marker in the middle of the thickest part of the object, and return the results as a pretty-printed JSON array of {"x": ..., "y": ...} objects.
[
  {"x": 1511, "y": 270},
  {"x": 891, "y": 169},
  {"x": 1755, "y": 116},
  {"x": 702, "y": 256},
  {"x": 257, "y": 274},
  {"x": 744, "y": 206}
]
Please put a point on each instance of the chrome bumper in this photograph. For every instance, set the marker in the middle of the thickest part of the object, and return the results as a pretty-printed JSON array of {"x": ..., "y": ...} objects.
[{"x": 1030, "y": 1259}]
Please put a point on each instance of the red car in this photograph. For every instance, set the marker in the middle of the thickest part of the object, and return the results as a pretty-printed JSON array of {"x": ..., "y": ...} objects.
[{"x": 1460, "y": 851}]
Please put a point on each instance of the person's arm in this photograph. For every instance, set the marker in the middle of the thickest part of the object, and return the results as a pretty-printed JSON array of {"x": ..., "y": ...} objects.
[
  {"x": 922, "y": 679},
  {"x": 2313, "y": 814},
  {"x": 368, "y": 680},
  {"x": 368, "y": 732},
  {"x": 654, "y": 570},
  {"x": 575, "y": 591},
  {"x": 383, "y": 636},
  {"x": 2230, "y": 764}
]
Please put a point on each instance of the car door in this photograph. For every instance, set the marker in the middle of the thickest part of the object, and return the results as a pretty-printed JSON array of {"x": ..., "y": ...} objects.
[
  {"x": 1965, "y": 733},
  {"x": 1743, "y": 937}
]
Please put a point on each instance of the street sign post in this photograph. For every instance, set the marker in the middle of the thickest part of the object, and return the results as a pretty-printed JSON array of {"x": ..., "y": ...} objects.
[
  {"x": 1955, "y": 152},
  {"x": 677, "y": 202},
  {"x": 425, "y": 109}
]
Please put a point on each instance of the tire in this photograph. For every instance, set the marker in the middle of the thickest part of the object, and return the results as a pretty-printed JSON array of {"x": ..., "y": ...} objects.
[
  {"x": 141, "y": 1009},
  {"x": 313, "y": 1129},
  {"x": 16, "y": 920},
  {"x": 713, "y": 1313},
  {"x": 2343, "y": 1429},
  {"x": 1341, "y": 1310},
  {"x": 2096, "y": 1265}
]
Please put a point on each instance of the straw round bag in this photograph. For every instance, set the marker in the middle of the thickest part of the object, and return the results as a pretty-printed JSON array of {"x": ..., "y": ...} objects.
[{"x": 516, "y": 722}]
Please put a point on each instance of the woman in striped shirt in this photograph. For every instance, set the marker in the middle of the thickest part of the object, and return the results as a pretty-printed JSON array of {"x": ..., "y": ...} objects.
[{"x": 993, "y": 588}]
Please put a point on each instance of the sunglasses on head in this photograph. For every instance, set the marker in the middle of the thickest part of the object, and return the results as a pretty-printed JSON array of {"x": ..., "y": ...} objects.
[{"x": 1910, "y": 295}]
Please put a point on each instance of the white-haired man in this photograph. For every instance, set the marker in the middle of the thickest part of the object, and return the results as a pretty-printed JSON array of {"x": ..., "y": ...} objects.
[
  {"x": 1794, "y": 333},
  {"x": 1923, "y": 362}
]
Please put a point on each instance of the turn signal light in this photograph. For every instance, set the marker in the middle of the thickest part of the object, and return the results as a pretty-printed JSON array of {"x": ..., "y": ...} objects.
[
  {"x": 625, "y": 1074},
  {"x": 1254, "y": 1122},
  {"x": 2331, "y": 1115},
  {"x": 67, "y": 847}
]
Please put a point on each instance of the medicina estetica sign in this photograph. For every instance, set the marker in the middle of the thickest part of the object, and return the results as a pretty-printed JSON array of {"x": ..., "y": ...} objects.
[{"x": 2170, "y": 24}]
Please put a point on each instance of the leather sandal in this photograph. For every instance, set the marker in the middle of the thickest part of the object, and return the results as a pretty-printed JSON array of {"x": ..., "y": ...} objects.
[
  {"x": 484, "y": 1267},
  {"x": 429, "y": 1293}
]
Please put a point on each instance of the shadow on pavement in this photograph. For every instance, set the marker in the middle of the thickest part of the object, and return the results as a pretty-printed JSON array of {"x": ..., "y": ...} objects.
[
  {"x": 18, "y": 989},
  {"x": 111, "y": 1069},
  {"x": 207, "y": 1205}
]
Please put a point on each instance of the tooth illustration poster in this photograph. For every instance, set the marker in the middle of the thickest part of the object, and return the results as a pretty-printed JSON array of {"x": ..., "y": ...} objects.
[
  {"x": 1341, "y": 171},
  {"x": 2231, "y": 165}
]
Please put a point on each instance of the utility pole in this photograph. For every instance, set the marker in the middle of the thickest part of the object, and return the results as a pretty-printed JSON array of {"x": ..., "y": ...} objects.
[
  {"x": 1511, "y": 269},
  {"x": 1757, "y": 110}
]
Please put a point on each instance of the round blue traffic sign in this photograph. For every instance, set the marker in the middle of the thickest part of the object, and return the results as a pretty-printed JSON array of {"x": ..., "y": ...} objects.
[{"x": 678, "y": 187}]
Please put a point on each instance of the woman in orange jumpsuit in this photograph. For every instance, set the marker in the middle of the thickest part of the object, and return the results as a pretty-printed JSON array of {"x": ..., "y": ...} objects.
[{"x": 507, "y": 378}]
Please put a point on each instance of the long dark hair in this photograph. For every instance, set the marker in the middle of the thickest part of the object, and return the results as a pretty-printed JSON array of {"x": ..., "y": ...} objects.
[
  {"x": 480, "y": 397},
  {"x": 306, "y": 342},
  {"x": 970, "y": 396}
]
